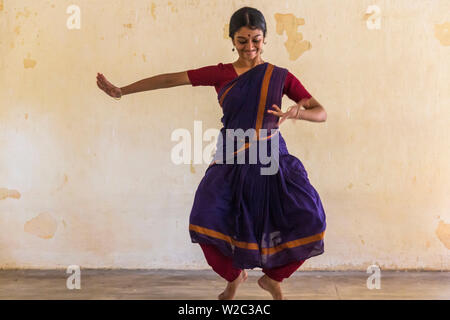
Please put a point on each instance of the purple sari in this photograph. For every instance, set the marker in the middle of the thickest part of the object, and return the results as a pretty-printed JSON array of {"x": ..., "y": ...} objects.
[{"x": 258, "y": 220}]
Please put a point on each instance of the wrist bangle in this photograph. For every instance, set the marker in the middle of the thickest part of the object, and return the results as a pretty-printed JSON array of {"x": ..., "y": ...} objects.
[{"x": 298, "y": 117}]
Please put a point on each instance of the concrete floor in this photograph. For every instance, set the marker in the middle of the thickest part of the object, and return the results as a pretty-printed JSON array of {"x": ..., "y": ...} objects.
[{"x": 206, "y": 285}]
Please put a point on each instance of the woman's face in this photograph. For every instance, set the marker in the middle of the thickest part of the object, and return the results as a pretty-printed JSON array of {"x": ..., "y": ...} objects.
[{"x": 248, "y": 42}]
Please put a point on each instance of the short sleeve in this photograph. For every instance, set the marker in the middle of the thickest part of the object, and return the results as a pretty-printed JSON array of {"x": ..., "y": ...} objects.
[
  {"x": 294, "y": 89},
  {"x": 205, "y": 76}
]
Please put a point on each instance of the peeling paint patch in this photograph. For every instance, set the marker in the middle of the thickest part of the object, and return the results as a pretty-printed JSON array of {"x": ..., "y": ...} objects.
[
  {"x": 144, "y": 58},
  {"x": 366, "y": 16},
  {"x": 192, "y": 168},
  {"x": 360, "y": 238},
  {"x": 295, "y": 44},
  {"x": 26, "y": 116},
  {"x": 442, "y": 33},
  {"x": 153, "y": 10},
  {"x": 66, "y": 179},
  {"x": 443, "y": 233},
  {"x": 29, "y": 63},
  {"x": 129, "y": 25},
  {"x": 9, "y": 193},
  {"x": 25, "y": 13},
  {"x": 43, "y": 226},
  {"x": 350, "y": 185},
  {"x": 226, "y": 31},
  {"x": 172, "y": 7},
  {"x": 17, "y": 30},
  {"x": 1, "y": 5}
]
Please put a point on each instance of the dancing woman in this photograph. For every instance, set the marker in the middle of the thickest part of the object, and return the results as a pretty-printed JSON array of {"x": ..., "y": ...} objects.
[{"x": 241, "y": 218}]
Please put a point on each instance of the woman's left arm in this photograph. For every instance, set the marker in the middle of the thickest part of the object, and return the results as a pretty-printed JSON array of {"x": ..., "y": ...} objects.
[{"x": 313, "y": 111}]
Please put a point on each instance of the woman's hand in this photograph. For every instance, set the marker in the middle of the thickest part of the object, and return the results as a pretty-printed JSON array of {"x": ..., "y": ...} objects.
[
  {"x": 108, "y": 87},
  {"x": 291, "y": 113}
]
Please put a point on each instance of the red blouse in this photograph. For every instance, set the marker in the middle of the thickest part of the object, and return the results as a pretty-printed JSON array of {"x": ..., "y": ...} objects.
[{"x": 219, "y": 75}]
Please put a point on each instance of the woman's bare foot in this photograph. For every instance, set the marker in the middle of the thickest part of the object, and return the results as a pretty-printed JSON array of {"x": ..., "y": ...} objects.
[
  {"x": 272, "y": 286},
  {"x": 230, "y": 290}
]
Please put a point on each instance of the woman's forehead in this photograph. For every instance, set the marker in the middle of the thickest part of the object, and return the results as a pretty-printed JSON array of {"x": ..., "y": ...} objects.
[{"x": 247, "y": 32}]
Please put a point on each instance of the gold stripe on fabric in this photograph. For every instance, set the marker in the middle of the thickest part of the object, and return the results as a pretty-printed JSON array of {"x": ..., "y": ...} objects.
[
  {"x": 254, "y": 246},
  {"x": 247, "y": 145},
  {"x": 263, "y": 98},
  {"x": 219, "y": 235},
  {"x": 261, "y": 107},
  {"x": 293, "y": 243},
  {"x": 225, "y": 93},
  {"x": 268, "y": 137}
]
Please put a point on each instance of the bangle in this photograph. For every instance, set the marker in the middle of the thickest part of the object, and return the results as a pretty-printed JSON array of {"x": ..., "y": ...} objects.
[{"x": 297, "y": 116}]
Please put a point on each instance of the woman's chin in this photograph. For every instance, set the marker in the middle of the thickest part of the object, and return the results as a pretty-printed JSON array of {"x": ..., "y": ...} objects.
[{"x": 250, "y": 55}]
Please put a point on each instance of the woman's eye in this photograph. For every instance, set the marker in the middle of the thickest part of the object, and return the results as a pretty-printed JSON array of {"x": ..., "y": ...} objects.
[{"x": 255, "y": 41}]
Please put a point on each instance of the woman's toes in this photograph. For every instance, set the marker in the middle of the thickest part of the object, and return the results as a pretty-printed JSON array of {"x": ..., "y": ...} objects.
[
  {"x": 230, "y": 290},
  {"x": 271, "y": 286}
]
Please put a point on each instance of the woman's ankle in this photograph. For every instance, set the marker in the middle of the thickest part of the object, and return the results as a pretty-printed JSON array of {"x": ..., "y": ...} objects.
[{"x": 274, "y": 279}]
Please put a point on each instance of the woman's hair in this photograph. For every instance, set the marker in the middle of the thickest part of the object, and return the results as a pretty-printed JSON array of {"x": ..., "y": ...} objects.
[{"x": 247, "y": 17}]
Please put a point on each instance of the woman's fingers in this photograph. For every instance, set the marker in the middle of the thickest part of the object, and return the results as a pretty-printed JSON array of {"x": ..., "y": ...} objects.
[
  {"x": 102, "y": 79},
  {"x": 109, "y": 84},
  {"x": 276, "y": 107},
  {"x": 106, "y": 89},
  {"x": 106, "y": 86},
  {"x": 276, "y": 112},
  {"x": 103, "y": 87},
  {"x": 100, "y": 85}
]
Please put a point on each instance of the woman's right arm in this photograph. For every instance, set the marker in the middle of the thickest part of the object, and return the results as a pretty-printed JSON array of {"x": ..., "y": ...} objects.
[
  {"x": 160, "y": 81},
  {"x": 166, "y": 80}
]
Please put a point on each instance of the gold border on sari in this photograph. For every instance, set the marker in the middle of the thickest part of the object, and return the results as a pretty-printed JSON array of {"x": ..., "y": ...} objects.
[
  {"x": 261, "y": 108},
  {"x": 253, "y": 245}
]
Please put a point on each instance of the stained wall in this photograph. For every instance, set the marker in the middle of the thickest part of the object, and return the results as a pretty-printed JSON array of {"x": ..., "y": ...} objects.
[{"x": 88, "y": 180}]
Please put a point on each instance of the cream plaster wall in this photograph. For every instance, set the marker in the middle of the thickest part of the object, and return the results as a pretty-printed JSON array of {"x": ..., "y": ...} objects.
[{"x": 88, "y": 180}]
